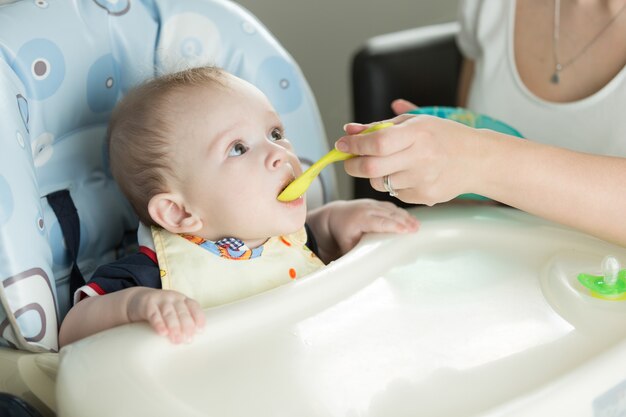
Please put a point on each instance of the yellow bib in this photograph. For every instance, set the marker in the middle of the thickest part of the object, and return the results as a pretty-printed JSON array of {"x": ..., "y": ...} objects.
[{"x": 213, "y": 279}]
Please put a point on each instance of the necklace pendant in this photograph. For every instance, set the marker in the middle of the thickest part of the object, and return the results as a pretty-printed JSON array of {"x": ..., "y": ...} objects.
[{"x": 555, "y": 78}]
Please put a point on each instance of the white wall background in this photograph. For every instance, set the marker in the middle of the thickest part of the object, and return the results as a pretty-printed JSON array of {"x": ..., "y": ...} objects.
[{"x": 323, "y": 35}]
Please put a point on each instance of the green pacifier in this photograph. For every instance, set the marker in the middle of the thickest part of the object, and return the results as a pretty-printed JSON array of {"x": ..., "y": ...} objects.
[{"x": 611, "y": 285}]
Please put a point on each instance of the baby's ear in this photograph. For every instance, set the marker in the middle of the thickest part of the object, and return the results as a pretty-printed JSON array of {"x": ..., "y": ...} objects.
[{"x": 168, "y": 210}]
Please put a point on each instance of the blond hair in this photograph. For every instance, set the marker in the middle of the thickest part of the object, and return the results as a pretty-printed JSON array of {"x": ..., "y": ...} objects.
[{"x": 140, "y": 134}]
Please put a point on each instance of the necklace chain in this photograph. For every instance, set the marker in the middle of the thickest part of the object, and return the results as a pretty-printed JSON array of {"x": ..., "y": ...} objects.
[{"x": 558, "y": 66}]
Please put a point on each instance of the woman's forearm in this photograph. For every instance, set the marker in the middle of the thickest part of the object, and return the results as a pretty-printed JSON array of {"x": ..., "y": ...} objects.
[{"x": 584, "y": 191}]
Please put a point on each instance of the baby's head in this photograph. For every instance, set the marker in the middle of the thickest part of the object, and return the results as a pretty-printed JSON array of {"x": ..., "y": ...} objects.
[{"x": 203, "y": 152}]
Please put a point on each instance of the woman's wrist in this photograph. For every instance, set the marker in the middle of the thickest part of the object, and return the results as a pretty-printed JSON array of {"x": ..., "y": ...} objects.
[{"x": 490, "y": 163}]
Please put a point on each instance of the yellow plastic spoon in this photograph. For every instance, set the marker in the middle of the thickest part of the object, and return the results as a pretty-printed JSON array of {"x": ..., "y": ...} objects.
[{"x": 300, "y": 184}]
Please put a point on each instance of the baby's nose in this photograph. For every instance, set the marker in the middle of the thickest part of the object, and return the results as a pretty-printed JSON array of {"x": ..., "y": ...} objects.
[
  {"x": 277, "y": 162},
  {"x": 277, "y": 157}
]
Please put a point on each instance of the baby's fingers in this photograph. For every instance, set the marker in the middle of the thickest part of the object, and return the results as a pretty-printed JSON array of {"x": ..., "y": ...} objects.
[
  {"x": 411, "y": 223},
  {"x": 196, "y": 313},
  {"x": 156, "y": 321},
  {"x": 183, "y": 319},
  {"x": 172, "y": 322},
  {"x": 386, "y": 224},
  {"x": 395, "y": 220},
  {"x": 186, "y": 320}
]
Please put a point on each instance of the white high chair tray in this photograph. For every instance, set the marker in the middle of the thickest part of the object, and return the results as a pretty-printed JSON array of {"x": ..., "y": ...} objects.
[{"x": 479, "y": 313}]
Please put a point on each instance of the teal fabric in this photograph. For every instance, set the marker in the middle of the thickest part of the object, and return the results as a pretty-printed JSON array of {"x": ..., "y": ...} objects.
[{"x": 469, "y": 118}]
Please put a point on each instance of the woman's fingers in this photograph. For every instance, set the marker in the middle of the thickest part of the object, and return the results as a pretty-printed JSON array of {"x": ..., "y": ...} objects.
[
  {"x": 377, "y": 143},
  {"x": 354, "y": 128},
  {"x": 401, "y": 106},
  {"x": 394, "y": 182},
  {"x": 413, "y": 186},
  {"x": 378, "y": 166}
]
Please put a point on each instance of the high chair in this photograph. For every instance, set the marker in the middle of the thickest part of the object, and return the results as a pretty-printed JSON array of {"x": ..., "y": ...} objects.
[
  {"x": 480, "y": 313},
  {"x": 63, "y": 66}
]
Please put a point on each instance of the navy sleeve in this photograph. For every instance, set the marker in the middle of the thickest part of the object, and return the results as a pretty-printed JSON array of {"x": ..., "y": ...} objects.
[
  {"x": 130, "y": 271},
  {"x": 311, "y": 243}
]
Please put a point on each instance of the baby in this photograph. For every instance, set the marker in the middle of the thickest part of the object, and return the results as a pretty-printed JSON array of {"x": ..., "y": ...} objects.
[{"x": 201, "y": 155}]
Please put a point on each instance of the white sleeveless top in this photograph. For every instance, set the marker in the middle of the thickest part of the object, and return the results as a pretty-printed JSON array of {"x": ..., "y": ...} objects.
[
  {"x": 595, "y": 124},
  {"x": 214, "y": 274}
]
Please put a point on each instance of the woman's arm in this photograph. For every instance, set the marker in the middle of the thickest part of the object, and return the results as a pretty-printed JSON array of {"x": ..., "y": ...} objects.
[
  {"x": 584, "y": 191},
  {"x": 432, "y": 160}
]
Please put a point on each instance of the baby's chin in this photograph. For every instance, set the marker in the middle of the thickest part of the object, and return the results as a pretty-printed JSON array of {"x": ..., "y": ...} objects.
[
  {"x": 261, "y": 236},
  {"x": 289, "y": 230}
]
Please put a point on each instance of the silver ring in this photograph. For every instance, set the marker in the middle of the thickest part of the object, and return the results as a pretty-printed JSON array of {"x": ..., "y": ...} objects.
[{"x": 388, "y": 187}]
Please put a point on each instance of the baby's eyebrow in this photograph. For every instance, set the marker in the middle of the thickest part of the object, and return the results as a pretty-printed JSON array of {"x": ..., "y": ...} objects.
[
  {"x": 223, "y": 136},
  {"x": 277, "y": 121}
]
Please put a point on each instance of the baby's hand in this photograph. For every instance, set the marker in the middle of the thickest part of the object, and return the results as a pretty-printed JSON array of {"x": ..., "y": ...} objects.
[
  {"x": 350, "y": 220},
  {"x": 170, "y": 313}
]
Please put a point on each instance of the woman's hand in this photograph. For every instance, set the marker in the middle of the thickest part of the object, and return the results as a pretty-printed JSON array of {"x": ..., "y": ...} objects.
[{"x": 428, "y": 159}]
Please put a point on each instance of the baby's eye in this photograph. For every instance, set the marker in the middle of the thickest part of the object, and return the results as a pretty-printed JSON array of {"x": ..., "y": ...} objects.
[
  {"x": 237, "y": 149},
  {"x": 276, "y": 134}
]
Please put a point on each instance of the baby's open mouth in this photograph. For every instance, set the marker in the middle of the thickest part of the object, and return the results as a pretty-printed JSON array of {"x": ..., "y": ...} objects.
[{"x": 286, "y": 183}]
